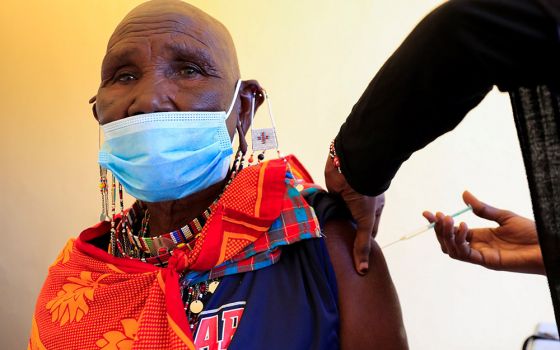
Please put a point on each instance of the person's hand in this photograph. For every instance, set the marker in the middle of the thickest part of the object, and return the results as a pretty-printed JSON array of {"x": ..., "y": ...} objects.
[
  {"x": 365, "y": 210},
  {"x": 512, "y": 246}
]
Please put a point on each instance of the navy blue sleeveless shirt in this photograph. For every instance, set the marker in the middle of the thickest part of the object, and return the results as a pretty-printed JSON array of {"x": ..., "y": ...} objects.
[{"x": 290, "y": 305}]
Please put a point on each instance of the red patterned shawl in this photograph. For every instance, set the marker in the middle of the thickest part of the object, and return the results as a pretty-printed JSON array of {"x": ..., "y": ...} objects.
[{"x": 92, "y": 300}]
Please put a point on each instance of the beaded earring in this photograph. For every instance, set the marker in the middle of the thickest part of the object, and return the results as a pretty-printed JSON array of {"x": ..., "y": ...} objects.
[
  {"x": 128, "y": 247},
  {"x": 115, "y": 245},
  {"x": 104, "y": 216},
  {"x": 263, "y": 139},
  {"x": 237, "y": 165}
]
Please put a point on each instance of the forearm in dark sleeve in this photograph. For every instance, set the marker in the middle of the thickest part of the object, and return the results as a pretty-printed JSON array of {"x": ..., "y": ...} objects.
[{"x": 442, "y": 70}]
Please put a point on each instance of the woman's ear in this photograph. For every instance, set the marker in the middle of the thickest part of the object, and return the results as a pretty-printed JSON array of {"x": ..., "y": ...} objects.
[
  {"x": 249, "y": 89},
  {"x": 93, "y": 109}
]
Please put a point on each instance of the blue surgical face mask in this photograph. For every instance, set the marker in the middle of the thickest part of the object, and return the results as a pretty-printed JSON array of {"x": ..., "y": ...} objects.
[{"x": 169, "y": 155}]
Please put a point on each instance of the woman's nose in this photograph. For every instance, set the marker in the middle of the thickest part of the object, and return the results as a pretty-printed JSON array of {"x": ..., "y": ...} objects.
[{"x": 151, "y": 95}]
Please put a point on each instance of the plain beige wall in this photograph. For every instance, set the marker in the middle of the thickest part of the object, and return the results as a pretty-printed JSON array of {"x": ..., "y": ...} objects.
[{"x": 315, "y": 57}]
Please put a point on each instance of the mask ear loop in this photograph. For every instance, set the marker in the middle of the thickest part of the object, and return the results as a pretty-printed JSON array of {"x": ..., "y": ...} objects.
[
  {"x": 232, "y": 104},
  {"x": 239, "y": 161}
]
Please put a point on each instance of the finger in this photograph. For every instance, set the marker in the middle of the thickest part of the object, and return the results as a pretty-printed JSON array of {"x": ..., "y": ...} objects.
[
  {"x": 362, "y": 209},
  {"x": 448, "y": 231},
  {"x": 362, "y": 247},
  {"x": 429, "y": 216},
  {"x": 439, "y": 231},
  {"x": 332, "y": 181},
  {"x": 486, "y": 211},
  {"x": 462, "y": 246}
]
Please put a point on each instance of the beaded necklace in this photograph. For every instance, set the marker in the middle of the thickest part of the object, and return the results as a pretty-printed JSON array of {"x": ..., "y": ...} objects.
[
  {"x": 157, "y": 250},
  {"x": 144, "y": 245}
]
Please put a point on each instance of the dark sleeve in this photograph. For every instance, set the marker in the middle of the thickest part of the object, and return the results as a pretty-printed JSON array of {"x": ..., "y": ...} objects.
[{"x": 442, "y": 70}]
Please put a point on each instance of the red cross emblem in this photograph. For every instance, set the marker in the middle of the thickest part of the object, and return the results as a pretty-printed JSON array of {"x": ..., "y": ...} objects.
[{"x": 263, "y": 137}]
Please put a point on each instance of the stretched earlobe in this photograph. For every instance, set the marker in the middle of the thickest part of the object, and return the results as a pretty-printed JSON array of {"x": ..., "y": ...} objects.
[
  {"x": 242, "y": 141},
  {"x": 94, "y": 110},
  {"x": 93, "y": 107}
]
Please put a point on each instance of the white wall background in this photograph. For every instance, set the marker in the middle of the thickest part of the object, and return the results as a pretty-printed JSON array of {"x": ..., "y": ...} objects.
[{"x": 315, "y": 57}]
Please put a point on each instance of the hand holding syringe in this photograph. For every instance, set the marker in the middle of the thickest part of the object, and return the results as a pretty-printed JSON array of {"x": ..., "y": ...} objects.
[{"x": 424, "y": 228}]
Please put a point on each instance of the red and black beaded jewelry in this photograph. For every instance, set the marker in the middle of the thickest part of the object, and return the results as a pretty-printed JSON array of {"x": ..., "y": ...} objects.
[
  {"x": 334, "y": 157},
  {"x": 195, "y": 296}
]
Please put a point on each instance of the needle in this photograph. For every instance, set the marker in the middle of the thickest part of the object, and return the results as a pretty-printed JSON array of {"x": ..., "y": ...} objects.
[{"x": 425, "y": 228}]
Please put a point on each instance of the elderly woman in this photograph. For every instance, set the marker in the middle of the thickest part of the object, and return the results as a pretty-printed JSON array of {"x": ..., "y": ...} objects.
[{"x": 212, "y": 255}]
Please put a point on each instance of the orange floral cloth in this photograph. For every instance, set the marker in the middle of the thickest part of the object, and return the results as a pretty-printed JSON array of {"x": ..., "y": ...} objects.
[{"x": 92, "y": 300}]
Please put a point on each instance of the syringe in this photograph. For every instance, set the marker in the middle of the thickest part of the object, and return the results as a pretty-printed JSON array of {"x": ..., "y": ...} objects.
[{"x": 425, "y": 228}]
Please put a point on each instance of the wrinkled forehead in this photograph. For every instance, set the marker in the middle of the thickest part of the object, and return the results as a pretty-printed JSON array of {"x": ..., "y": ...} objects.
[
  {"x": 142, "y": 24},
  {"x": 175, "y": 23}
]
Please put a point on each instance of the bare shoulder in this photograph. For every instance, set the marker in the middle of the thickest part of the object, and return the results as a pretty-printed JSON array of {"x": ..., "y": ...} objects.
[{"x": 370, "y": 311}]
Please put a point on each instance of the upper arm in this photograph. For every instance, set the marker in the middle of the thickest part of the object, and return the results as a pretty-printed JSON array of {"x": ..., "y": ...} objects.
[{"x": 370, "y": 312}]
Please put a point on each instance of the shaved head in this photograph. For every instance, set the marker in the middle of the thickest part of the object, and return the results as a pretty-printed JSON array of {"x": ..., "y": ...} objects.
[
  {"x": 179, "y": 16},
  {"x": 176, "y": 16}
]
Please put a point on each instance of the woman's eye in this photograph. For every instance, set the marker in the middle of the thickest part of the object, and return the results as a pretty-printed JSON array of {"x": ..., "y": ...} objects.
[
  {"x": 189, "y": 71},
  {"x": 125, "y": 77}
]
